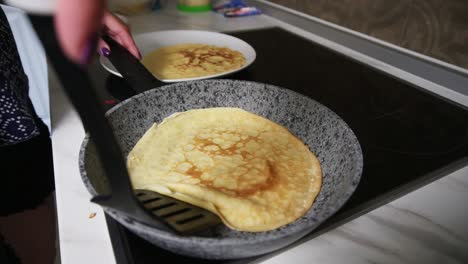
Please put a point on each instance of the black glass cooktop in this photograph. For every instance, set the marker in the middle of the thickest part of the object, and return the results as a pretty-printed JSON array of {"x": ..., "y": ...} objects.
[{"x": 409, "y": 137}]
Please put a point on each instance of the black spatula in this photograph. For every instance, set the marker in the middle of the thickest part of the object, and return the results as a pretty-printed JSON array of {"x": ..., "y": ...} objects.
[
  {"x": 183, "y": 217},
  {"x": 145, "y": 207}
]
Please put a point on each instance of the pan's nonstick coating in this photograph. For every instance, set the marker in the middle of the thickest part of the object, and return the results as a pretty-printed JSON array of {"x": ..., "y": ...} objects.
[{"x": 326, "y": 134}]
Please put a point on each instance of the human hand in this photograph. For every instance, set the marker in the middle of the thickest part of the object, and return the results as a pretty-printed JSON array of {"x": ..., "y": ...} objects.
[
  {"x": 119, "y": 31},
  {"x": 77, "y": 24}
]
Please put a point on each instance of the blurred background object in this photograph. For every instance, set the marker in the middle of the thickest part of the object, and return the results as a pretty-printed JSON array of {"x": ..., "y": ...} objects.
[
  {"x": 235, "y": 8},
  {"x": 130, "y": 7},
  {"x": 194, "y": 5},
  {"x": 124, "y": 7},
  {"x": 34, "y": 6}
]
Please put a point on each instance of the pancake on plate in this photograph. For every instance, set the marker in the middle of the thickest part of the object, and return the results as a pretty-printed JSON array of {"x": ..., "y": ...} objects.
[
  {"x": 192, "y": 60},
  {"x": 248, "y": 170}
]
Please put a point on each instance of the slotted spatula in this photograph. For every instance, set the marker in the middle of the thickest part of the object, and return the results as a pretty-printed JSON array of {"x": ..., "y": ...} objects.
[
  {"x": 181, "y": 216},
  {"x": 144, "y": 206}
]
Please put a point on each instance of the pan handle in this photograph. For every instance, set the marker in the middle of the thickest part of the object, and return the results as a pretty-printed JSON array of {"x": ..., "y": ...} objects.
[
  {"x": 82, "y": 94},
  {"x": 132, "y": 70}
]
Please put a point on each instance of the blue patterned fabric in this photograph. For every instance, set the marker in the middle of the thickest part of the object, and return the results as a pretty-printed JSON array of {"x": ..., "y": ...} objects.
[{"x": 16, "y": 113}]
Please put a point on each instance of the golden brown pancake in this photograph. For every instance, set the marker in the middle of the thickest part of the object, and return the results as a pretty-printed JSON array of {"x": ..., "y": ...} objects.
[
  {"x": 192, "y": 60},
  {"x": 250, "y": 171}
]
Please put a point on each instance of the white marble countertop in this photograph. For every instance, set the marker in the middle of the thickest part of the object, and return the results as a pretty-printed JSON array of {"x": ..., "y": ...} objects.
[{"x": 425, "y": 226}]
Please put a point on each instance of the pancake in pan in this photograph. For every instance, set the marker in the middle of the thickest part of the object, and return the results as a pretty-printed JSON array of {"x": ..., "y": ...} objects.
[{"x": 250, "y": 171}]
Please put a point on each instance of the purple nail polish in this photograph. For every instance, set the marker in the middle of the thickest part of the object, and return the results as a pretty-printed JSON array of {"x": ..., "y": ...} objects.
[
  {"x": 88, "y": 50},
  {"x": 105, "y": 52}
]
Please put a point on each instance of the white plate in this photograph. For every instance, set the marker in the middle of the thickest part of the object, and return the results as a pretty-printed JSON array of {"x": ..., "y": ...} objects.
[{"x": 150, "y": 41}]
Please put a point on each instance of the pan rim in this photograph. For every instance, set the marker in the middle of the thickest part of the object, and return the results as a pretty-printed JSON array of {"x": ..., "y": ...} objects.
[{"x": 276, "y": 234}]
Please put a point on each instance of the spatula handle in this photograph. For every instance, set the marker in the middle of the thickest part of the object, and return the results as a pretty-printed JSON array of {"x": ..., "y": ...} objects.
[
  {"x": 82, "y": 94},
  {"x": 132, "y": 70}
]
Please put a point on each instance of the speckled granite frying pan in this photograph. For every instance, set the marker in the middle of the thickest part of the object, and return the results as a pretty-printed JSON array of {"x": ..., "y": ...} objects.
[{"x": 326, "y": 134}]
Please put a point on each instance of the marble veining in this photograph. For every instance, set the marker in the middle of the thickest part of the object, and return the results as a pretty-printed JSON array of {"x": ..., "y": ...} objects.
[
  {"x": 425, "y": 220},
  {"x": 433, "y": 237},
  {"x": 421, "y": 227}
]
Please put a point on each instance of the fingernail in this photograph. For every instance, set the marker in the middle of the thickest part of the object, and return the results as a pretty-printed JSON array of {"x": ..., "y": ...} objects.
[
  {"x": 104, "y": 52},
  {"x": 88, "y": 50}
]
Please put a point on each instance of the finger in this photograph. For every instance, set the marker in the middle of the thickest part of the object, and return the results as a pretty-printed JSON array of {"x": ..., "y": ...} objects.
[
  {"x": 103, "y": 48},
  {"x": 126, "y": 40},
  {"x": 76, "y": 25},
  {"x": 119, "y": 31}
]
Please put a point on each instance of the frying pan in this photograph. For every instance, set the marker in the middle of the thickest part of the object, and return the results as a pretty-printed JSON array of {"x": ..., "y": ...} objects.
[{"x": 101, "y": 155}]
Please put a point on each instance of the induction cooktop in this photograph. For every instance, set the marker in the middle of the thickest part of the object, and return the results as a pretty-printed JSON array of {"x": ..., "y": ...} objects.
[{"x": 409, "y": 136}]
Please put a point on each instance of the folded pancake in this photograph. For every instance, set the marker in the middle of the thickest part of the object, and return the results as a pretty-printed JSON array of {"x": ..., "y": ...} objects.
[
  {"x": 192, "y": 60},
  {"x": 250, "y": 171}
]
